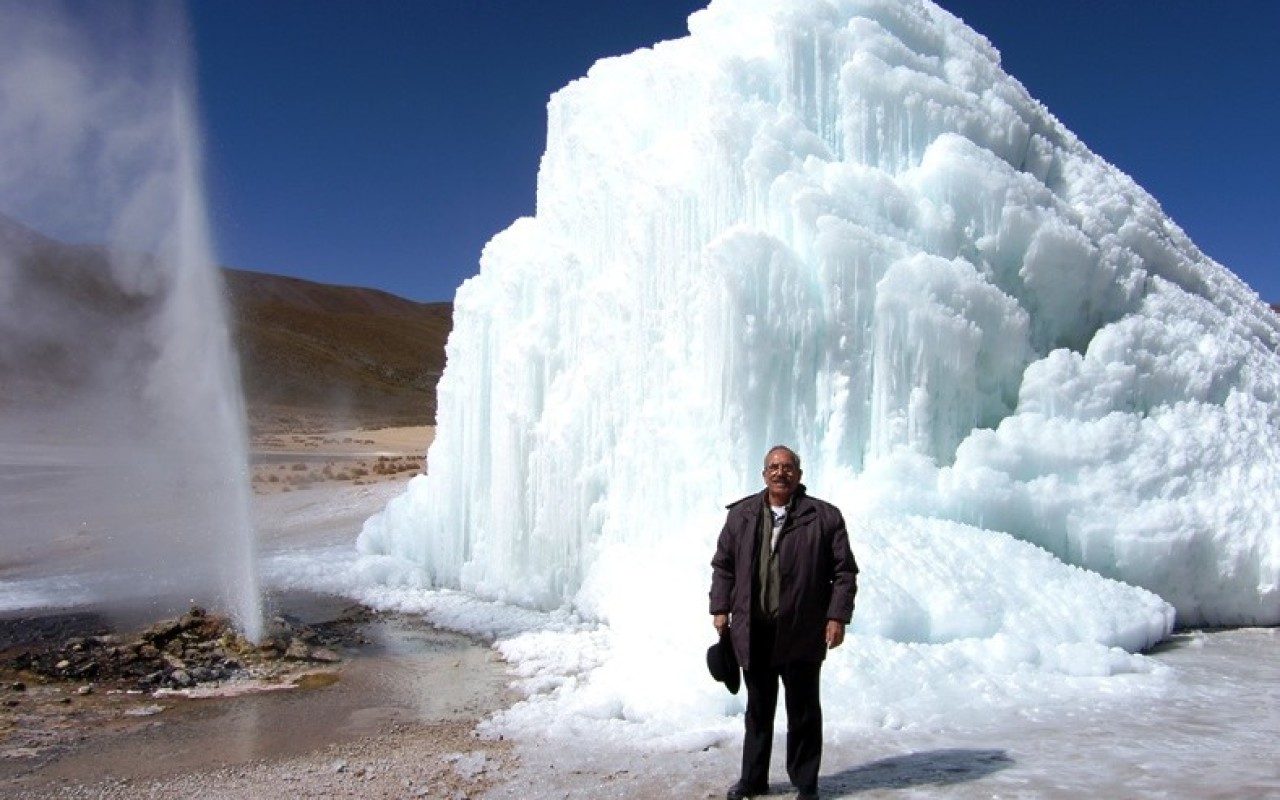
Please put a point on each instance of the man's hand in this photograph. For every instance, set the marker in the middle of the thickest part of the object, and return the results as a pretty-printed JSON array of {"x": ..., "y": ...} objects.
[
  {"x": 835, "y": 634},
  {"x": 721, "y": 623}
]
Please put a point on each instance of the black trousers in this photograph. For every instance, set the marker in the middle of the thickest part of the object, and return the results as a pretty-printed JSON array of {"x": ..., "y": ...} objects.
[{"x": 804, "y": 715}]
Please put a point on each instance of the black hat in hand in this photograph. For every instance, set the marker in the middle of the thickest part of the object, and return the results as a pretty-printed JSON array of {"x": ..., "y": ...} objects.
[{"x": 723, "y": 664}]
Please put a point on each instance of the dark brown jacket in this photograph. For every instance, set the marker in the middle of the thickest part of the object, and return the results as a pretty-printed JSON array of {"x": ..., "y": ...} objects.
[{"x": 817, "y": 572}]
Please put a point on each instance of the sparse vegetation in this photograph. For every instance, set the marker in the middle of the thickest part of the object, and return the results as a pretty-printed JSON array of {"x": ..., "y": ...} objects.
[{"x": 358, "y": 470}]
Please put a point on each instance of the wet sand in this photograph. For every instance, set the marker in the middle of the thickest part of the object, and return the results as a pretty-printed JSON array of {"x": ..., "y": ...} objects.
[{"x": 411, "y": 695}]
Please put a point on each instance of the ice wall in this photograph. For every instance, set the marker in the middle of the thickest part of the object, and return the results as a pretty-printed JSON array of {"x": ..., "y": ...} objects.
[{"x": 842, "y": 226}]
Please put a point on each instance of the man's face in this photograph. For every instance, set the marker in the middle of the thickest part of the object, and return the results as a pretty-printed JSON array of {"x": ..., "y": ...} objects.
[{"x": 781, "y": 475}]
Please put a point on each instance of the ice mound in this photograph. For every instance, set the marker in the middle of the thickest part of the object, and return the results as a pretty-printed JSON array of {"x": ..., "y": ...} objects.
[{"x": 840, "y": 225}]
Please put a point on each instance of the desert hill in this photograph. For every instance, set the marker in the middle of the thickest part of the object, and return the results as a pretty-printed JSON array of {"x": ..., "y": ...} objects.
[
  {"x": 313, "y": 356},
  {"x": 316, "y": 355}
]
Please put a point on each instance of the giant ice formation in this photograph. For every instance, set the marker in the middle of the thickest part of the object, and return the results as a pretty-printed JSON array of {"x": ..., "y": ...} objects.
[{"x": 839, "y": 224}]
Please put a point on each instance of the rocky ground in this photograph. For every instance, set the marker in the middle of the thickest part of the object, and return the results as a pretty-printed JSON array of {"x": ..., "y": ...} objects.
[
  {"x": 197, "y": 649},
  {"x": 89, "y": 713},
  {"x": 69, "y": 677},
  {"x": 335, "y": 701}
]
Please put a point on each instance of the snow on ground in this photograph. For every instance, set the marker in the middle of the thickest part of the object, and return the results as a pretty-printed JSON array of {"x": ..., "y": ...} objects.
[{"x": 1198, "y": 718}]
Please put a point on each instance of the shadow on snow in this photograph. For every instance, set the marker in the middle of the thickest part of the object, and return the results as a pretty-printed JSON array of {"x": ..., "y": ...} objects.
[{"x": 928, "y": 768}]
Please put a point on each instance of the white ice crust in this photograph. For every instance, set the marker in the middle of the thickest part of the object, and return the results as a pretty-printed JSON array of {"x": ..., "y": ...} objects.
[{"x": 1049, "y": 418}]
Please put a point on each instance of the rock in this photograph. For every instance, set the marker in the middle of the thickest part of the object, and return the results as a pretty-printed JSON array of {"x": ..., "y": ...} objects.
[
  {"x": 197, "y": 649},
  {"x": 162, "y": 631},
  {"x": 298, "y": 651},
  {"x": 84, "y": 690}
]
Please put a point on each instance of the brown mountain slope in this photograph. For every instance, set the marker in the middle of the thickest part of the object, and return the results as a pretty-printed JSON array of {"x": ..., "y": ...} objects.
[
  {"x": 318, "y": 356},
  {"x": 313, "y": 356},
  {"x": 65, "y": 324}
]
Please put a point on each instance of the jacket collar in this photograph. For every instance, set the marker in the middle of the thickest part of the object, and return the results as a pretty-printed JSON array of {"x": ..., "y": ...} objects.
[{"x": 799, "y": 500}]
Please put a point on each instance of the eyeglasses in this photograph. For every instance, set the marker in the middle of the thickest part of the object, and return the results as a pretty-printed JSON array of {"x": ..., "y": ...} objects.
[{"x": 786, "y": 468}]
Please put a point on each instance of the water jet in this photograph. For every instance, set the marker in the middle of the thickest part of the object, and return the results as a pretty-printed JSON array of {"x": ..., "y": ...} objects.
[{"x": 124, "y": 476}]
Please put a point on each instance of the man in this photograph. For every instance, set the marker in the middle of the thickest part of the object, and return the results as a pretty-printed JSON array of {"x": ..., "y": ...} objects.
[{"x": 782, "y": 585}]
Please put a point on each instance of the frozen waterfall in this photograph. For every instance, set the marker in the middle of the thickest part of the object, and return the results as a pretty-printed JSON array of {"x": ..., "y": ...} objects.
[{"x": 840, "y": 225}]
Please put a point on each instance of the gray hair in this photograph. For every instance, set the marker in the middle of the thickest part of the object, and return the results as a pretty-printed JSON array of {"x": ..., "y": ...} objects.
[{"x": 794, "y": 455}]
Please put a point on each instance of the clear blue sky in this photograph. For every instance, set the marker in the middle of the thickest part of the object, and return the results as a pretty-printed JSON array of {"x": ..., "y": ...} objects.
[{"x": 382, "y": 143}]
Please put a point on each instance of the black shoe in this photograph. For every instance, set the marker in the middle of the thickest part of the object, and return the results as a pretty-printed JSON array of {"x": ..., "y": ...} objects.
[
  {"x": 810, "y": 794},
  {"x": 742, "y": 790}
]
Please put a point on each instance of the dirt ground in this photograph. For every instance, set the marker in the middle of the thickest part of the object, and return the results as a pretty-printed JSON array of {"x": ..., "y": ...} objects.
[
  {"x": 396, "y": 717},
  {"x": 284, "y": 461},
  {"x": 384, "y": 723}
]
